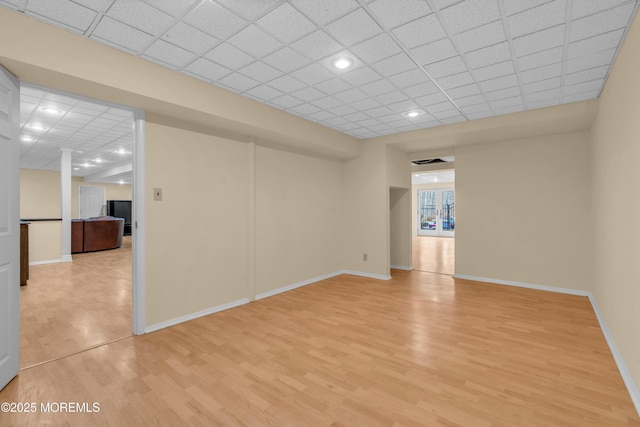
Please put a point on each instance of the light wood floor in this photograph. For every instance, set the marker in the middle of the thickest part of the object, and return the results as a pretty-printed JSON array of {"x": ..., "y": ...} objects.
[
  {"x": 434, "y": 254},
  {"x": 69, "y": 307},
  {"x": 421, "y": 349}
]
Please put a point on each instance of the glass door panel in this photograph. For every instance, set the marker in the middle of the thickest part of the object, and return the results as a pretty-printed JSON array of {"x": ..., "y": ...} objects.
[{"x": 436, "y": 212}]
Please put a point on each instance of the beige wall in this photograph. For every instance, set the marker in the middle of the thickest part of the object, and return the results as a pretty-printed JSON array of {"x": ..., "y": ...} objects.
[
  {"x": 616, "y": 202},
  {"x": 196, "y": 237},
  {"x": 298, "y": 218},
  {"x": 523, "y": 211},
  {"x": 399, "y": 183}
]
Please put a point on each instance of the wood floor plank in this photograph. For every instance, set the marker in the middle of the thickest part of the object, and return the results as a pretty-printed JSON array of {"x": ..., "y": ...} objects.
[{"x": 422, "y": 349}]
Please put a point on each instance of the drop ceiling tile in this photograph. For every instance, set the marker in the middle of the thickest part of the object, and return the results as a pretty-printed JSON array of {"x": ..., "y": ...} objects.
[
  {"x": 549, "y": 102},
  {"x": 286, "y": 24},
  {"x": 464, "y": 91},
  {"x": 286, "y": 84},
  {"x": 356, "y": 117},
  {"x": 350, "y": 96},
  {"x": 590, "y": 86},
  {"x": 379, "y": 111},
  {"x": 536, "y": 60},
  {"x": 431, "y": 99},
  {"x": 321, "y": 116},
  {"x": 121, "y": 35},
  {"x": 343, "y": 110},
  {"x": 249, "y": 10},
  {"x": 391, "y": 97},
  {"x": 378, "y": 88},
  {"x": 361, "y": 76},
  {"x": 595, "y": 44},
  {"x": 410, "y": 78},
  {"x": 446, "y": 67},
  {"x": 207, "y": 70},
  {"x": 477, "y": 108},
  {"x": 440, "y": 107},
  {"x": 434, "y": 52},
  {"x": 327, "y": 103},
  {"x": 260, "y": 71},
  {"x": 214, "y": 20},
  {"x": 190, "y": 38},
  {"x": 174, "y": 8},
  {"x": 586, "y": 75},
  {"x": 353, "y": 28},
  {"x": 539, "y": 41},
  {"x": 316, "y": 45},
  {"x": 381, "y": 128},
  {"x": 421, "y": 89},
  {"x": 286, "y": 60},
  {"x": 542, "y": 73},
  {"x": 582, "y": 96},
  {"x": 312, "y": 74},
  {"x": 66, "y": 13},
  {"x": 469, "y": 14},
  {"x": 596, "y": 59},
  {"x": 456, "y": 80},
  {"x": 141, "y": 16},
  {"x": 333, "y": 86},
  {"x": 502, "y": 94},
  {"x": 512, "y": 7},
  {"x": 538, "y": 18},
  {"x": 543, "y": 85},
  {"x": 583, "y": 8},
  {"x": 229, "y": 56},
  {"x": 542, "y": 95},
  {"x": 255, "y": 42},
  {"x": 509, "y": 109},
  {"x": 326, "y": 11},
  {"x": 499, "y": 83},
  {"x": 602, "y": 22},
  {"x": 169, "y": 54},
  {"x": 489, "y": 55},
  {"x": 308, "y": 94},
  {"x": 477, "y": 38},
  {"x": 367, "y": 123},
  {"x": 494, "y": 71},
  {"x": 379, "y": 47},
  {"x": 285, "y": 101},
  {"x": 449, "y": 116},
  {"x": 392, "y": 13},
  {"x": 394, "y": 65},
  {"x": 421, "y": 31},
  {"x": 502, "y": 104}
]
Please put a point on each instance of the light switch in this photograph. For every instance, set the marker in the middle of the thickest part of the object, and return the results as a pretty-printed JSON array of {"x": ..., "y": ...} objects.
[{"x": 157, "y": 194}]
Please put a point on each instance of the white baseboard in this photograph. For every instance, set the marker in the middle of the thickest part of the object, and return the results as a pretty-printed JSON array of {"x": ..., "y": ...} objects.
[
  {"x": 296, "y": 285},
  {"x": 48, "y": 261},
  {"x": 402, "y": 267},
  {"x": 66, "y": 258},
  {"x": 192, "y": 316},
  {"x": 523, "y": 285},
  {"x": 632, "y": 388},
  {"x": 369, "y": 275}
]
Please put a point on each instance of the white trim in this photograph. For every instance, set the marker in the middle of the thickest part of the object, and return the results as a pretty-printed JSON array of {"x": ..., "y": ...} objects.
[
  {"x": 296, "y": 285},
  {"x": 629, "y": 382},
  {"x": 523, "y": 285},
  {"x": 402, "y": 267},
  {"x": 138, "y": 290},
  {"x": 48, "y": 261},
  {"x": 369, "y": 275},
  {"x": 66, "y": 258},
  {"x": 632, "y": 388},
  {"x": 193, "y": 316}
]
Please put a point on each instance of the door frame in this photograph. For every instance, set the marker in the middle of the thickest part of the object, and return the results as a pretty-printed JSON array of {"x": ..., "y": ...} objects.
[
  {"x": 138, "y": 214},
  {"x": 438, "y": 230},
  {"x": 80, "y": 187}
]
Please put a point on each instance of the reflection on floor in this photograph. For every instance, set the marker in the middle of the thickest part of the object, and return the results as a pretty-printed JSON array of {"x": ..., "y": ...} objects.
[
  {"x": 434, "y": 254},
  {"x": 70, "y": 307}
]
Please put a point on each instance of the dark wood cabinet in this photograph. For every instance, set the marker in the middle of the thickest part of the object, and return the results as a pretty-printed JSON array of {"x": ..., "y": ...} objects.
[{"x": 24, "y": 253}]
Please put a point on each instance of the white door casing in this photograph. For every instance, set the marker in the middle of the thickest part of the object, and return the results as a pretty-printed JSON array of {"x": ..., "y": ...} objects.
[{"x": 9, "y": 227}]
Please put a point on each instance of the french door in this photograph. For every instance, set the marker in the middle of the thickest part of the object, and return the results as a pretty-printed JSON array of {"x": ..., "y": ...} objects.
[{"x": 436, "y": 212}]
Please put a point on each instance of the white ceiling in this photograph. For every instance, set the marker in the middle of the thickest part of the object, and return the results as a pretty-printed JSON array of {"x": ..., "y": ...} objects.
[
  {"x": 100, "y": 136},
  {"x": 433, "y": 177},
  {"x": 452, "y": 60}
]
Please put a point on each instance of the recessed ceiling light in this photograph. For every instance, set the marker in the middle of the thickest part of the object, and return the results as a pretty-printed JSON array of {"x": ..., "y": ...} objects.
[
  {"x": 342, "y": 63},
  {"x": 37, "y": 127},
  {"x": 86, "y": 164},
  {"x": 76, "y": 169},
  {"x": 121, "y": 151},
  {"x": 26, "y": 138},
  {"x": 98, "y": 160},
  {"x": 412, "y": 114},
  {"x": 51, "y": 110}
]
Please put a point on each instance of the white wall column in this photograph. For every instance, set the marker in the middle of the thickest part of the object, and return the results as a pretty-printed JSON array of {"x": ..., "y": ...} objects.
[{"x": 65, "y": 186}]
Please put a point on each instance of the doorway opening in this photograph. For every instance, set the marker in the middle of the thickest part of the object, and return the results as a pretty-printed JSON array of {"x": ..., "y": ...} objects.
[
  {"x": 433, "y": 241},
  {"x": 69, "y": 307}
]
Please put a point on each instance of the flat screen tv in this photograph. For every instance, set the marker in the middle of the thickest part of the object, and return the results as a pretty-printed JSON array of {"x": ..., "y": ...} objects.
[{"x": 121, "y": 209}]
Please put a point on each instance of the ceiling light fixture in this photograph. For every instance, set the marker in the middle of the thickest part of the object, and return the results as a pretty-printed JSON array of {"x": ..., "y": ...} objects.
[
  {"x": 98, "y": 160},
  {"x": 26, "y": 138},
  {"x": 51, "y": 110},
  {"x": 86, "y": 164},
  {"x": 412, "y": 114},
  {"x": 37, "y": 127},
  {"x": 121, "y": 151},
  {"x": 342, "y": 63},
  {"x": 76, "y": 169}
]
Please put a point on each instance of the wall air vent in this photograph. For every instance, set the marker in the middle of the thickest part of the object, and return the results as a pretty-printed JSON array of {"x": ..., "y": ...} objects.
[{"x": 428, "y": 161}]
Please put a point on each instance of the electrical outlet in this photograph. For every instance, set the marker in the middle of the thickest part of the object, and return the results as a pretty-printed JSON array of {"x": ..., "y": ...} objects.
[
  {"x": 364, "y": 257},
  {"x": 157, "y": 194}
]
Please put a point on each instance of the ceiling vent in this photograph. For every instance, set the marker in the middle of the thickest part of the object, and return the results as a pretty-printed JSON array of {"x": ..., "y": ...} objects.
[{"x": 428, "y": 161}]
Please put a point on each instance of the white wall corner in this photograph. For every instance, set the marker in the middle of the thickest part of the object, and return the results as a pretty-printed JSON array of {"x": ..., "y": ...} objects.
[
  {"x": 369, "y": 275},
  {"x": 402, "y": 267},
  {"x": 66, "y": 258},
  {"x": 296, "y": 285}
]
